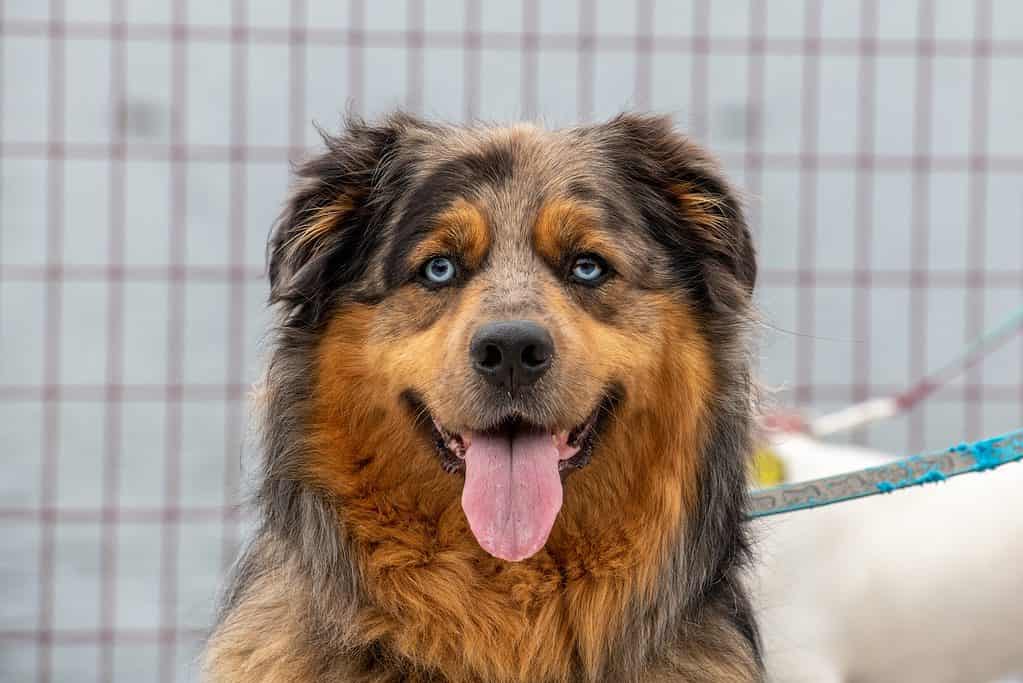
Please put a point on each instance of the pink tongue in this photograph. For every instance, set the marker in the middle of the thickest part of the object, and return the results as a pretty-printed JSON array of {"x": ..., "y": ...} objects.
[{"x": 512, "y": 492}]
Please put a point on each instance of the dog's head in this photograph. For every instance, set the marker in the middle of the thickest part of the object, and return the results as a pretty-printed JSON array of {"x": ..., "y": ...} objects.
[{"x": 492, "y": 309}]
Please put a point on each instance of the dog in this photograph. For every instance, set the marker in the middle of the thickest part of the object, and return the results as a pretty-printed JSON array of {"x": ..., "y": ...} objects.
[
  {"x": 507, "y": 413},
  {"x": 918, "y": 586}
]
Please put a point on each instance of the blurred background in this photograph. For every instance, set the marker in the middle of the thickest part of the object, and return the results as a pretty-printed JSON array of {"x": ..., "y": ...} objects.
[{"x": 144, "y": 153}]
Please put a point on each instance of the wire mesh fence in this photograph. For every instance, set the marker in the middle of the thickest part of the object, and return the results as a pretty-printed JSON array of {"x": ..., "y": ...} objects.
[{"x": 144, "y": 151}]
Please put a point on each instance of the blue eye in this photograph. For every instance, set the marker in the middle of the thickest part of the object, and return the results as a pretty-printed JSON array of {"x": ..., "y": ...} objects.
[
  {"x": 439, "y": 270},
  {"x": 588, "y": 269}
]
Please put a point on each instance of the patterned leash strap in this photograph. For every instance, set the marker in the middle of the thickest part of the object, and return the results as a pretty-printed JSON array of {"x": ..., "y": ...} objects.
[{"x": 899, "y": 474}]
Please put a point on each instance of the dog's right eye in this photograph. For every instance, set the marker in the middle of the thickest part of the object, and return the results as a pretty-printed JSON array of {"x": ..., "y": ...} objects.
[
  {"x": 590, "y": 270},
  {"x": 440, "y": 270}
]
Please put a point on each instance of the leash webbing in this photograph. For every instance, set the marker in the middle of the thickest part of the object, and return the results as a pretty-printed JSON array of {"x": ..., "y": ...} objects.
[{"x": 899, "y": 474}]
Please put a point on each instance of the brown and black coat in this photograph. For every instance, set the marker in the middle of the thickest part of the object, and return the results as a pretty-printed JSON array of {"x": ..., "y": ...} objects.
[{"x": 363, "y": 568}]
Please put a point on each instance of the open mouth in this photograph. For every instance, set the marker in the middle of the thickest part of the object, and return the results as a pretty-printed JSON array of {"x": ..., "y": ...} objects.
[
  {"x": 513, "y": 476},
  {"x": 575, "y": 446}
]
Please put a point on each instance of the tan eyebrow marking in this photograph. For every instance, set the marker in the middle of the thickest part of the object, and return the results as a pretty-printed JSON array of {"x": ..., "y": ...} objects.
[
  {"x": 564, "y": 227},
  {"x": 460, "y": 230}
]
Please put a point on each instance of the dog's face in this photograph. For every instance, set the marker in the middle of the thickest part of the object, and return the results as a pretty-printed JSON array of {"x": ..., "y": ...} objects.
[{"x": 497, "y": 308}]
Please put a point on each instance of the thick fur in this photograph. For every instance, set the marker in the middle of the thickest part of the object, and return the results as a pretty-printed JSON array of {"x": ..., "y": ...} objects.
[{"x": 364, "y": 568}]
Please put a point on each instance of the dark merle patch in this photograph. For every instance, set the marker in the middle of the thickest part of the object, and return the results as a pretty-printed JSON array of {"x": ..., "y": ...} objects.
[{"x": 459, "y": 177}]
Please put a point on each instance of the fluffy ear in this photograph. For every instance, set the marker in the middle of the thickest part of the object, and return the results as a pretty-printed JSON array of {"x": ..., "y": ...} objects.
[
  {"x": 323, "y": 238},
  {"x": 688, "y": 206}
]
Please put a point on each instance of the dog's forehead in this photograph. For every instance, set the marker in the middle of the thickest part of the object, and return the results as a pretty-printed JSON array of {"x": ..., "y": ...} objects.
[
  {"x": 513, "y": 173},
  {"x": 508, "y": 171}
]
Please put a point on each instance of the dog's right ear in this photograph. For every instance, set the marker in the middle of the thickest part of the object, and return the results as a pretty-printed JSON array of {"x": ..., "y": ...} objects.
[{"x": 323, "y": 237}]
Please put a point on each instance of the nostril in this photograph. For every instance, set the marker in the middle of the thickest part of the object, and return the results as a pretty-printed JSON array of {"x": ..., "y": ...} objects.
[
  {"x": 492, "y": 356},
  {"x": 534, "y": 357}
]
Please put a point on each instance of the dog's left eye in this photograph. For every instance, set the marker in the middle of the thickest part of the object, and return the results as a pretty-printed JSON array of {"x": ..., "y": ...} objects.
[
  {"x": 439, "y": 270},
  {"x": 589, "y": 269}
]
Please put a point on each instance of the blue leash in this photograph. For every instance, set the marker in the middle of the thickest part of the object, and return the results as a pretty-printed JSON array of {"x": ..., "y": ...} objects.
[{"x": 900, "y": 474}]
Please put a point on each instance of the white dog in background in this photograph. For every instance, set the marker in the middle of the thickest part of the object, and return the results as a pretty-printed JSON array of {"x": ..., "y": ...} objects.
[{"x": 922, "y": 585}]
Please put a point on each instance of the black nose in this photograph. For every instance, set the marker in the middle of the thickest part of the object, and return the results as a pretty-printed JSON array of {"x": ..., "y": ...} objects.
[{"x": 511, "y": 353}]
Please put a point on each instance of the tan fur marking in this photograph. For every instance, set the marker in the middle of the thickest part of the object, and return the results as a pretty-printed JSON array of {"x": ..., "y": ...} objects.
[
  {"x": 461, "y": 230},
  {"x": 564, "y": 226},
  {"x": 701, "y": 207},
  {"x": 322, "y": 221},
  {"x": 258, "y": 641}
]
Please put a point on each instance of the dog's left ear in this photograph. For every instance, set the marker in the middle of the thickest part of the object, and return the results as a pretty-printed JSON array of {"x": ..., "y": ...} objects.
[{"x": 688, "y": 206}]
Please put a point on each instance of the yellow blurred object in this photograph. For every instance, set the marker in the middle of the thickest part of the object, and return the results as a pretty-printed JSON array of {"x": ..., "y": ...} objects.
[{"x": 768, "y": 468}]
